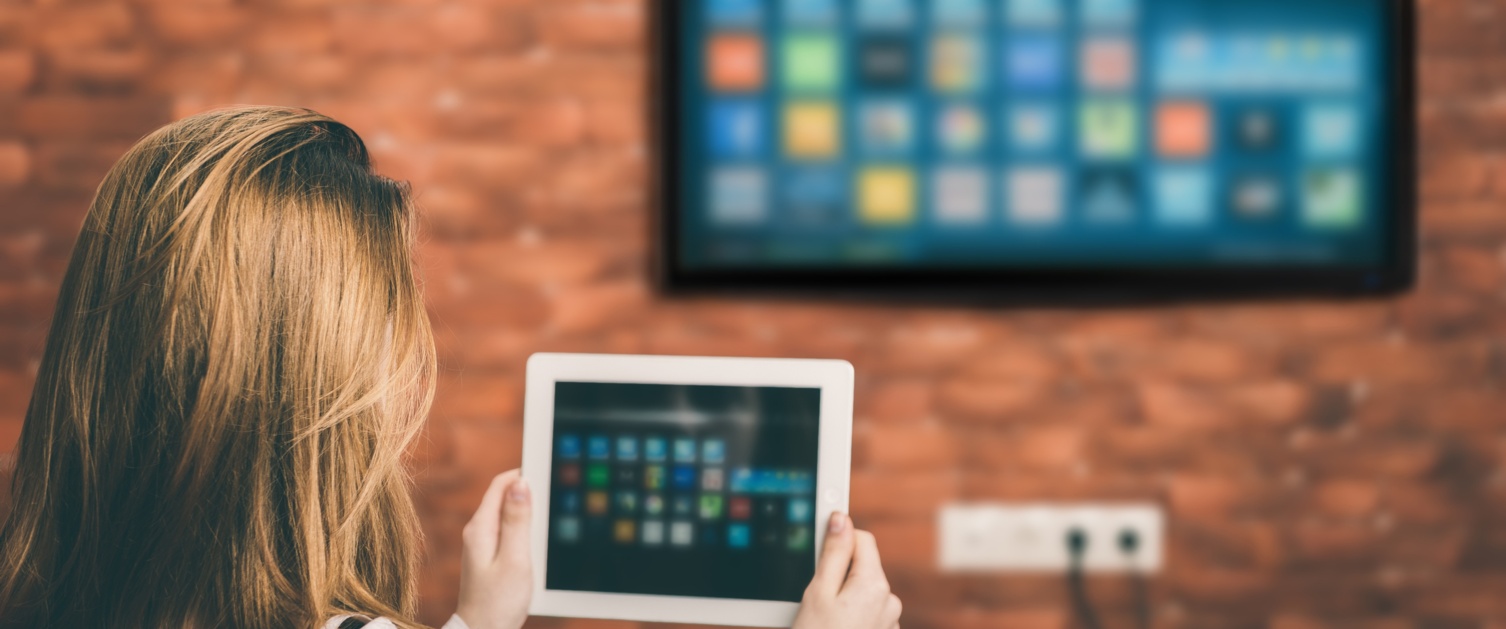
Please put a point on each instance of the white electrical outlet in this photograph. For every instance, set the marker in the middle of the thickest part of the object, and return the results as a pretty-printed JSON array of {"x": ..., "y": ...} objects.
[{"x": 998, "y": 537}]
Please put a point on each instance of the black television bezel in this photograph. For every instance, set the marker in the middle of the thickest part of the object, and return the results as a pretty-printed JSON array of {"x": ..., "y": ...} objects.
[{"x": 1058, "y": 286}]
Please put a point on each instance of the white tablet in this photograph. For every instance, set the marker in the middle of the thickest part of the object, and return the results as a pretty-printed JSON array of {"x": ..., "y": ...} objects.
[{"x": 677, "y": 489}]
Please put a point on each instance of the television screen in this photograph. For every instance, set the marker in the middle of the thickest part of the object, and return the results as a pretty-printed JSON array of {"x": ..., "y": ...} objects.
[{"x": 1024, "y": 149}]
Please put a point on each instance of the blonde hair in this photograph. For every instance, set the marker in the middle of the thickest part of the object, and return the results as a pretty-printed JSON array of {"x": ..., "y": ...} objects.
[{"x": 239, "y": 358}]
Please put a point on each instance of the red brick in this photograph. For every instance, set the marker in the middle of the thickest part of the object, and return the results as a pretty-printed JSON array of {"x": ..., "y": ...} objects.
[
  {"x": 81, "y": 118},
  {"x": 199, "y": 25},
  {"x": 604, "y": 26},
  {"x": 916, "y": 445},
  {"x": 15, "y": 164},
  {"x": 1343, "y": 499},
  {"x": 884, "y": 494},
  {"x": 17, "y": 71},
  {"x": 905, "y": 400},
  {"x": 983, "y": 400},
  {"x": 80, "y": 26},
  {"x": 98, "y": 70},
  {"x": 1208, "y": 407}
]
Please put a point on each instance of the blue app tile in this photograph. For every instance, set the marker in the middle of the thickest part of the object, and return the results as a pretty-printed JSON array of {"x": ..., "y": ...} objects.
[
  {"x": 654, "y": 450},
  {"x": 958, "y": 13},
  {"x": 569, "y": 502},
  {"x": 811, "y": 12},
  {"x": 1034, "y": 13},
  {"x": 685, "y": 450},
  {"x": 569, "y": 447},
  {"x": 739, "y": 536},
  {"x": 684, "y": 477},
  {"x": 1331, "y": 131},
  {"x": 627, "y": 448},
  {"x": 1034, "y": 63},
  {"x": 739, "y": 197},
  {"x": 734, "y": 12},
  {"x": 713, "y": 451},
  {"x": 885, "y": 13},
  {"x": 599, "y": 448},
  {"x": 1109, "y": 13},
  {"x": 1184, "y": 196},
  {"x": 800, "y": 510},
  {"x": 737, "y": 129},
  {"x": 815, "y": 196}
]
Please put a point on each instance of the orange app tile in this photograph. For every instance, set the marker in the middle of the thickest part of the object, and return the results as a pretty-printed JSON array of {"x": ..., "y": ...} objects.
[
  {"x": 596, "y": 503},
  {"x": 735, "y": 63},
  {"x": 1184, "y": 129}
]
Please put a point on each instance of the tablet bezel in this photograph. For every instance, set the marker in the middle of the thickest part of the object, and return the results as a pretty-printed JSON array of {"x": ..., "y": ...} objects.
[
  {"x": 833, "y": 470},
  {"x": 1075, "y": 286}
]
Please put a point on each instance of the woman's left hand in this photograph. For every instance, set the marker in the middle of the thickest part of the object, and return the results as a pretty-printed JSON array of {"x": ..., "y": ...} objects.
[{"x": 496, "y": 568}]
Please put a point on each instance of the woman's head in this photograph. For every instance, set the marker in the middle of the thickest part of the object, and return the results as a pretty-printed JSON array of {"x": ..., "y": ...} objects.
[{"x": 239, "y": 357}]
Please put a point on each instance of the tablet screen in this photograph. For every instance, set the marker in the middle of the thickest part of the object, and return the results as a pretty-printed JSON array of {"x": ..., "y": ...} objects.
[{"x": 683, "y": 490}]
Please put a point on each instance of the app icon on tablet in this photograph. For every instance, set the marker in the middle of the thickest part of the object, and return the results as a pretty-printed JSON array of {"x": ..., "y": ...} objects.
[
  {"x": 682, "y": 506},
  {"x": 596, "y": 503},
  {"x": 958, "y": 13},
  {"x": 624, "y": 531},
  {"x": 739, "y": 196},
  {"x": 627, "y": 502},
  {"x": 1109, "y": 13},
  {"x": 886, "y": 195},
  {"x": 685, "y": 450},
  {"x": 711, "y": 506},
  {"x": 627, "y": 448},
  {"x": 682, "y": 534},
  {"x": 567, "y": 529},
  {"x": 961, "y": 195},
  {"x": 800, "y": 510},
  {"x": 957, "y": 63},
  {"x": 627, "y": 476},
  {"x": 1184, "y": 129},
  {"x": 569, "y": 502},
  {"x": 1034, "y": 127},
  {"x": 598, "y": 475},
  {"x": 1109, "y": 129},
  {"x": 713, "y": 451},
  {"x": 599, "y": 448},
  {"x": 815, "y": 196},
  {"x": 799, "y": 538},
  {"x": 739, "y": 536},
  {"x": 653, "y": 504},
  {"x": 888, "y": 127},
  {"x": 569, "y": 447},
  {"x": 653, "y": 477},
  {"x": 1035, "y": 195},
  {"x": 712, "y": 479},
  {"x": 654, "y": 450},
  {"x": 1108, "y": 63},
  {"x": 653, "y": 533},
  {"x": 1109, "y": 196},
  {"x": 684, "y": 477},
  {"x": 1255, "y": 197},
  {"x": 569, "y": 474},
  {"x": 739, "y": 508},
  {"x": 1331, "y": 131},
  {"x": 812, "y": 130},
  {"x": 1258, "y": 130},
  {"x": 961, "y": 129}
]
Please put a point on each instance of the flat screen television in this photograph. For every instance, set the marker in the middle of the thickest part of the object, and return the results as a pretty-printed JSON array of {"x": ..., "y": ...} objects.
[{"x": 1035, "y": 150}]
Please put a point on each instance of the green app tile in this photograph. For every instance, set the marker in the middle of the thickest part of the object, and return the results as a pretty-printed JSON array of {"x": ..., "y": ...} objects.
[
  {"x": 811, "y": 63},
  {"x": 1109, "y": 129},
  {"x": 598, "y": 475},
  {"x": 1331, "y": 198}
]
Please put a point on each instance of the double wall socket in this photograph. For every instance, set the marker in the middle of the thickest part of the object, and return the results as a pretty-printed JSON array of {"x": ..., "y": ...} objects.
[{"x": 1015, "y": 537}]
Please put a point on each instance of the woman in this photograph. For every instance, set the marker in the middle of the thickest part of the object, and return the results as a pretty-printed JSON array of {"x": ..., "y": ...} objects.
[{"x": 239, "y": 358}]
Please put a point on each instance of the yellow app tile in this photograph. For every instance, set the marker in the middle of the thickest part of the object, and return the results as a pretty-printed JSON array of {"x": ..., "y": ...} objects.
[
  {"x": 812, "y": 131},
  {"x": 886, "y": 196}
]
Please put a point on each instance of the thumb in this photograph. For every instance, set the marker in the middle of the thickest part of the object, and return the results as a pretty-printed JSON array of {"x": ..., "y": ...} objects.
[
  {"x": 514, "y": 547},
  {"x": 836, "y": 555}
]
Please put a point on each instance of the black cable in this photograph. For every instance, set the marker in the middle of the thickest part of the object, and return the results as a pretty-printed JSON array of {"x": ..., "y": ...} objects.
[
  {"x": 1129, "y": 544},
  {"x": 1077, "y": 546}
]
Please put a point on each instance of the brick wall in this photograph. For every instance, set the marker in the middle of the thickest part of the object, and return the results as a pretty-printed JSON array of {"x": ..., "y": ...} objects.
[{"x": 1324, "y": 465}]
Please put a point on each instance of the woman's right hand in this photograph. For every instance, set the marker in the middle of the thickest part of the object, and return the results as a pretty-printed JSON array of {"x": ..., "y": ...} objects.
[{"x": 850, "y": 590}]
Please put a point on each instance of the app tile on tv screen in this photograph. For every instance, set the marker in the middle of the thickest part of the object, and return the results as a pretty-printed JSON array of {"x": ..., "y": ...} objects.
[
  {"x": 811, "y": 13},
  {"x": 1034, "y": 13},
  {"x": 1034, "y": 62},
  {"x": 1184, "y": 196},
  {"x": 961, "y": 196},
  {"x": 737, "y": 129},
  {"x": 1331, "y": 198},
  {"x": 812, "y": 63},
  {"x": 1035, "y": 195},
  {"x": 739, "y": 196}
]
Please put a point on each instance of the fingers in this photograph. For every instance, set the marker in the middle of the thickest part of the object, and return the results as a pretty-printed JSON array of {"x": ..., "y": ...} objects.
[
  {"x": 514, "y": 549},
  {"x": 836, "y": 554},
  {"x": 892, "y": 610},
  {"x": 866, "y": 567},
  {"x": 480, "y": 534}
]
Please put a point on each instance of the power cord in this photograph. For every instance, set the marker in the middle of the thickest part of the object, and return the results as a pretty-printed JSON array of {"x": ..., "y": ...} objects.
[
  {"x": 1077, "y": 546},
  {"x": 1129, "y": 545}
]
